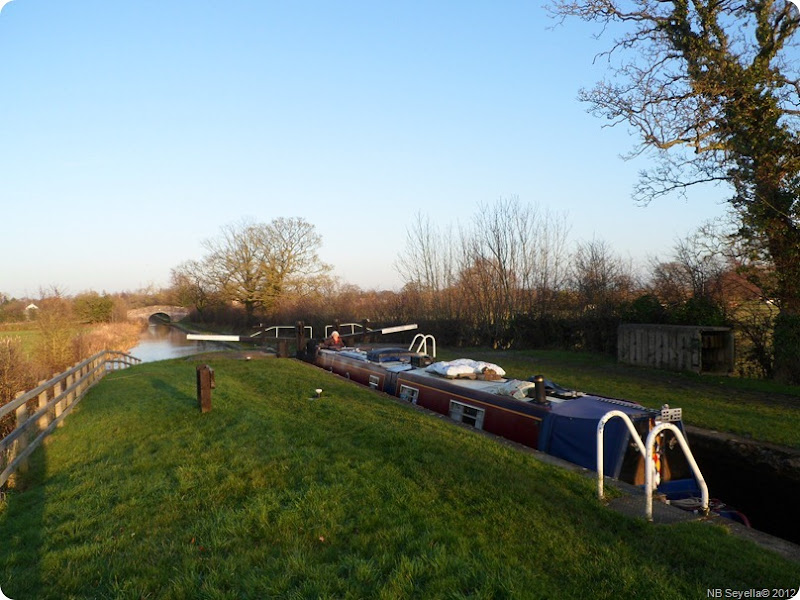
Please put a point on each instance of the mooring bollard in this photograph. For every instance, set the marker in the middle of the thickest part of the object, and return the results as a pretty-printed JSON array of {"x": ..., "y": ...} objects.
[{"x": 205, "y": 383}]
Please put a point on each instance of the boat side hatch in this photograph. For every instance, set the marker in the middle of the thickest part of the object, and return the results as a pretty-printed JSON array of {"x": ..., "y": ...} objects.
[
  {"x": 467, "y": 414},
  {"x": 408, "y": 393}
]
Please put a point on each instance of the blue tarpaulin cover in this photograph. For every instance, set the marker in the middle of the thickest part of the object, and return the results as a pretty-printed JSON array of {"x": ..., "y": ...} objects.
[{"x": 570, "y": 432}]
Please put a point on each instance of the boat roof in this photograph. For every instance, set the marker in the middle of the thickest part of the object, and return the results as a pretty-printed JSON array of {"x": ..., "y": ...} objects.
[
  {"x": 473, "y": 384},
  {"x": 581, "y": 407},
  {"x": 594, "y": 407}
]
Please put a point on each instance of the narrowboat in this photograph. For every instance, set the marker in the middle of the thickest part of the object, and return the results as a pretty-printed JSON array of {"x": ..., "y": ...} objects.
[{"x": 536, "y": 413}]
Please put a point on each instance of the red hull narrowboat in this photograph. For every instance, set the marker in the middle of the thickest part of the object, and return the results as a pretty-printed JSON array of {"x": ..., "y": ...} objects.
[{"x": 557, "y": 421}]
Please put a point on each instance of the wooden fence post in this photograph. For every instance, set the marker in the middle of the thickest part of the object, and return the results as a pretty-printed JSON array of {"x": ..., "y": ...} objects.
[
  {"x": 22, "y": 442},
  {"x": 44, "y": 420},
  {"x": 58, "y": 389},
  {"x": 84, "y": 385},
  {"x": 65, "y": 404}
]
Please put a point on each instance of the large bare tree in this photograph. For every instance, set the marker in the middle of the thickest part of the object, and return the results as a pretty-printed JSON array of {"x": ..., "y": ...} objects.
[
  {"x": 258, "y": 264},
  {"x": 712, "y": 88}
]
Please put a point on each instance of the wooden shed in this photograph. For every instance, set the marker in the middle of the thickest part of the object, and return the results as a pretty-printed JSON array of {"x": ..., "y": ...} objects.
[{"x": 677, "y": 347}]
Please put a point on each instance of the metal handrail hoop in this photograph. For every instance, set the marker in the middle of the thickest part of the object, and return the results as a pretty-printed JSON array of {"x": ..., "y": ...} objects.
[
  {"x": 600, "y": 452},
  {"x": 649, "y": 466},
  {"x": 421, "y": 341}
]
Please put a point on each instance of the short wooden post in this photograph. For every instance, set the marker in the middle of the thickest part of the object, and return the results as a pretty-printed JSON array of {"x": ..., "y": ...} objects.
[{"x": 205, "y": 383}]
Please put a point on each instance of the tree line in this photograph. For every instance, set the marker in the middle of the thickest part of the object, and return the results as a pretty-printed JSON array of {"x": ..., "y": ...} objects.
[
  {"x": 514, "y": 278},
  {"x": 510, "y": 277}
]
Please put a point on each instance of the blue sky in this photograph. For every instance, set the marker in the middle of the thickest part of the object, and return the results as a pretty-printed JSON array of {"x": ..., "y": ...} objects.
[{"x": 130, "y": 132}]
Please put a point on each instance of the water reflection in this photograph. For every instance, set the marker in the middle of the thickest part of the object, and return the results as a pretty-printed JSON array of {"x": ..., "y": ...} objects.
[{"x": 160, "y": 342}]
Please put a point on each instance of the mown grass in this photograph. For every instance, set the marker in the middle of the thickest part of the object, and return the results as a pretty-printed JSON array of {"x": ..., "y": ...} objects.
[
  {"x": 275, "y": 495},
  {"x": 757, "y": 409}
]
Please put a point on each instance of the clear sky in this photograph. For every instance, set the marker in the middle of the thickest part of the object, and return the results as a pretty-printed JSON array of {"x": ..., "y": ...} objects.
[{"x": 131, "y": 131}]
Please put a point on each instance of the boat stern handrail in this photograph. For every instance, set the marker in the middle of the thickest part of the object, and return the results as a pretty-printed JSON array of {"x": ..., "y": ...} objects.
[
  {"x": 600, "y": 450},
  {"x": 649, "y": 467},
  {"x": 646, "y": 449},
  {"x": 420, "y": 344}
]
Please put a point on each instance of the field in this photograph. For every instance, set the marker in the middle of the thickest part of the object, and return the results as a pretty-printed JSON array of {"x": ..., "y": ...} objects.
[
  {"x": 86, "y": 338},
  {"x": 28, "y": 338},
  {"x": 757, "y": 409},
  {"x": 274, "y": 494}
]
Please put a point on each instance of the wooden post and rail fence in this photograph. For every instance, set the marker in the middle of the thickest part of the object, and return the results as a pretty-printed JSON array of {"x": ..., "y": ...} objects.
[{"x": 39, "y": 411}]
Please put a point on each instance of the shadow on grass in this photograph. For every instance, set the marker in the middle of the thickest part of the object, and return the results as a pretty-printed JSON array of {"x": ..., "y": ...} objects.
[
  {"x": 23, "y": 544},
  {"x": 173, "y": 393}
]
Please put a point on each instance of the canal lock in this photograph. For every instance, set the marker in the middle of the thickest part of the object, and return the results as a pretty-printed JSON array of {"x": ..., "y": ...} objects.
[{"x": 758, "y": 479}]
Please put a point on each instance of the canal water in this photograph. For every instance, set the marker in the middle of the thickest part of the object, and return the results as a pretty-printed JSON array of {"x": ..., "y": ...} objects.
[{"x": 160, "y": 342}]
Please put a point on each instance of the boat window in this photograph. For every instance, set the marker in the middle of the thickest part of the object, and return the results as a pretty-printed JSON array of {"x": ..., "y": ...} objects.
[
  {"x": 374, "y": 381},
  {"x": 469, "y": 415},
  {"x": 409, "y": 394}
]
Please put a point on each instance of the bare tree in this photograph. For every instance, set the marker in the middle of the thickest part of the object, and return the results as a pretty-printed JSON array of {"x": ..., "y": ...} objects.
[
  {"x": 294, "y": 258},
  {"x": 427, "y": 266},
  {"x": 695, "y": 270},
  {"x": 600, "y": 277},
  {"x": 256, "y": 264},
  {"x": 509, "y": 260},
  {"x": 56, "y": 325},
  {"x": 191, "y": 285},
  {"x": 512, "y": 262}
]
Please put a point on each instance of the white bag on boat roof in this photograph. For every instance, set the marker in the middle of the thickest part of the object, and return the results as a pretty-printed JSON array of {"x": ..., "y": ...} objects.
[
  {"x": 515, "y": 388},
  {"x": 463, "y": 366}
]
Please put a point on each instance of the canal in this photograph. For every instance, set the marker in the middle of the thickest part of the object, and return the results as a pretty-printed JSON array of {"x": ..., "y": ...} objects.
[{"x": 160, "y": 342}]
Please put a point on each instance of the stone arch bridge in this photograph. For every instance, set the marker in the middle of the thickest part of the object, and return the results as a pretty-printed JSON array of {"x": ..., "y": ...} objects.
[{"x": 158, "y": 314}]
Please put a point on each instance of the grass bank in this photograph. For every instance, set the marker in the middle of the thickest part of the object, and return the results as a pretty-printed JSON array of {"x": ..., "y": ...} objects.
[
  {"x": 757, "y": 409},
  {"x": 273, "y": 494}
]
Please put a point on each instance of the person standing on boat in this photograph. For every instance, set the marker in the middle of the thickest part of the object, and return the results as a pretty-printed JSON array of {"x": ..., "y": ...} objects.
[{"x": 334, "y": 342}]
